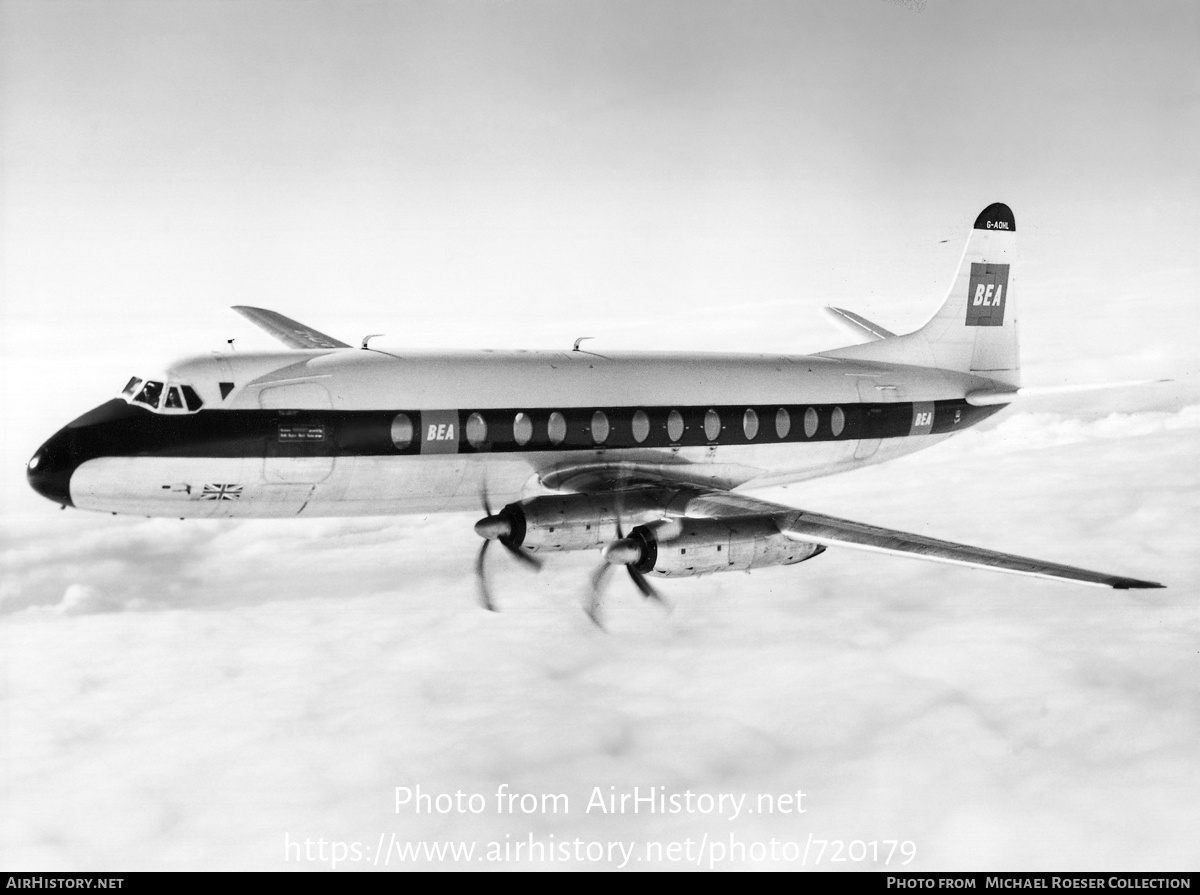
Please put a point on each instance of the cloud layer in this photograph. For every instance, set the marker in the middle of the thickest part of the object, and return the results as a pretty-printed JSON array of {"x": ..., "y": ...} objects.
[{"x": 269, "y": 679}]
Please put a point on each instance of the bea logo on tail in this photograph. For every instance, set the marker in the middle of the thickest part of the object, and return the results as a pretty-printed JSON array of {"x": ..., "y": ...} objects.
[{"x": 986, "y": 294}]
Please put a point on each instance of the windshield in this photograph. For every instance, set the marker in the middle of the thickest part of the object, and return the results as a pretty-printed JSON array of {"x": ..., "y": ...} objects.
[
  {"x": 193, "y": 399},
  {"x": 172, "y": 397},
  {"x": 150, "y": 393}
]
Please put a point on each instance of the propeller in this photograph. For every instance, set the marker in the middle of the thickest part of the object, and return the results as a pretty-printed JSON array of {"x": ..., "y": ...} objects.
[
  {"x": 497, "y": 527},
  {"x": 625, "y": 552}
]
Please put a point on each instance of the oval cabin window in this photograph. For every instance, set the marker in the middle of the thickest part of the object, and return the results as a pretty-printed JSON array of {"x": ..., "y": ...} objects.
[
  {"x": 599, "y": 427},
  {"x": 750, "y": 424},
  {"x": 402, "y": 431},
  {"x": 556, "y": 428},
  {"x": 476, "y": 430},
  {"x": 837, "y": 421},
  {"x": 712, "y": 425},
  {"x": 522, "y": 429},
  {"x": 641, "y": 426},
  {"x": 675, "y": 425},
  {"x": 810, "y": 422},
  {"x": 783, "y": 423}
]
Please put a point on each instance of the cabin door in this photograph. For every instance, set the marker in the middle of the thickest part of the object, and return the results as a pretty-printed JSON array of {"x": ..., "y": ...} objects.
[
  {"x": 299, "y": 444},
  {"x": 871, "y": 396}
]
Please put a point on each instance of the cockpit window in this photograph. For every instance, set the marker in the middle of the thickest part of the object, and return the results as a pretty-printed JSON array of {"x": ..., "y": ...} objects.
[
  {"x": 150, "y": 393},
  {"x": 193, "y": 399},
  {"x": 162, "y": 397}
]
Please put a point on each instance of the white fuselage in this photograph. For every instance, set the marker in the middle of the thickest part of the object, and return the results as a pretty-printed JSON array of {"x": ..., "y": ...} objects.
[{"x": 302, "y": 432}]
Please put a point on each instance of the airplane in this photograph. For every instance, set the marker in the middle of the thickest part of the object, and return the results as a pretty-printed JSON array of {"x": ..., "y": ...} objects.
[{"x": 645, "y": 457}]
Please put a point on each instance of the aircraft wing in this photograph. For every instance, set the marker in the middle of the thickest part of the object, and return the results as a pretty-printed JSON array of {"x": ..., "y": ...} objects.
[
  {"x": 288, "y": 331},
  {"x": 829, "y": 531}
]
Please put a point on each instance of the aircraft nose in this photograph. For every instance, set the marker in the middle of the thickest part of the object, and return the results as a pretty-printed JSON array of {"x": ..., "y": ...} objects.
[{"x": 49, "y": 470}]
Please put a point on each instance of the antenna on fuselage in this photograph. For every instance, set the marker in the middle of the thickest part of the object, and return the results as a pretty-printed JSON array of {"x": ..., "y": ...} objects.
[
  {"x": 581, "y": 339},
  {"x": 229, "y": 342},
  {"x": 367, "y": 339}
]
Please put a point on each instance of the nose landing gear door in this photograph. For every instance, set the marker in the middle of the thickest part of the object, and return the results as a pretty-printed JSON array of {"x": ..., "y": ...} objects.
[{"x": 299, "y": 444}]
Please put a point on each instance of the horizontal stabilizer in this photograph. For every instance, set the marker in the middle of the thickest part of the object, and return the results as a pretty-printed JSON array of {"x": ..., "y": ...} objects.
[
  {"x": 856, "y": 325},
  {"x": 287, "y": 330},
  {"x": 985, "y": 397}
]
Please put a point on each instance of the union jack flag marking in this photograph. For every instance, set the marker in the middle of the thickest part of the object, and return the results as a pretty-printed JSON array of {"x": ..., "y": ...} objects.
[{"x": 221, "y": 492}]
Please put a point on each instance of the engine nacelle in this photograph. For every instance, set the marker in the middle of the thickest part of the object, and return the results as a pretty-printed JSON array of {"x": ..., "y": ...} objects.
[
  {"x": 579, "y": 521},
  {"x": 681, "y": 548}
]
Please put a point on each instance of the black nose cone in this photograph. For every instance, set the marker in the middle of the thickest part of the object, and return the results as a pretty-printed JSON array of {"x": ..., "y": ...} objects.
[
  {"x": 102, "y": 431},
  {"x": 49, "y": 470}
]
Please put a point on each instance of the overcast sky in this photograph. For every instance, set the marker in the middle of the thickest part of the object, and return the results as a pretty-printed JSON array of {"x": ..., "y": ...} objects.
[{"x": 658, "y": 175}]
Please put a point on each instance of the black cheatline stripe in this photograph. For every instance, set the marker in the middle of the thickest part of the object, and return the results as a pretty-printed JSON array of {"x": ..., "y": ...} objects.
[{"x": 118, "y": 429}]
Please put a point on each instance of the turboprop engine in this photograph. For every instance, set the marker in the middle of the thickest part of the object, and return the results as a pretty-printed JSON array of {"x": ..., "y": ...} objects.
[
  {"x": 664, "y": 541},
  {"x": 572, "y": 521},
  {"x": 680, "y": 548}
]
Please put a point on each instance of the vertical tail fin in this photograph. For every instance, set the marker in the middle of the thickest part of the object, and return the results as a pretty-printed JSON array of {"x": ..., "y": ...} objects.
[{"x": 975, "y": 330}]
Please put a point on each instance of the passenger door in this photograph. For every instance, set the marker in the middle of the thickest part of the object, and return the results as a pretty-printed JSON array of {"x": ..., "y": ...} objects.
[{"x": 299, "y": 445}]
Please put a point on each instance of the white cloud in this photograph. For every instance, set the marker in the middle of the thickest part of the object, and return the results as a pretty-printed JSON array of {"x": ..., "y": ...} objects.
[{"x": 286, "y": 676}]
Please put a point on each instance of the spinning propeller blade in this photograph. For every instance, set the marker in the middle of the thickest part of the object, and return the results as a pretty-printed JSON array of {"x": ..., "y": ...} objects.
[
  {"x": 497, "y": 527},
  {"x": 625, "y": 552}
]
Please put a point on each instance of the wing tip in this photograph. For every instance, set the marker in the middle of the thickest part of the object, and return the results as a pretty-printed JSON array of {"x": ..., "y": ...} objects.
[{"x": 1134, "y": 584}]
